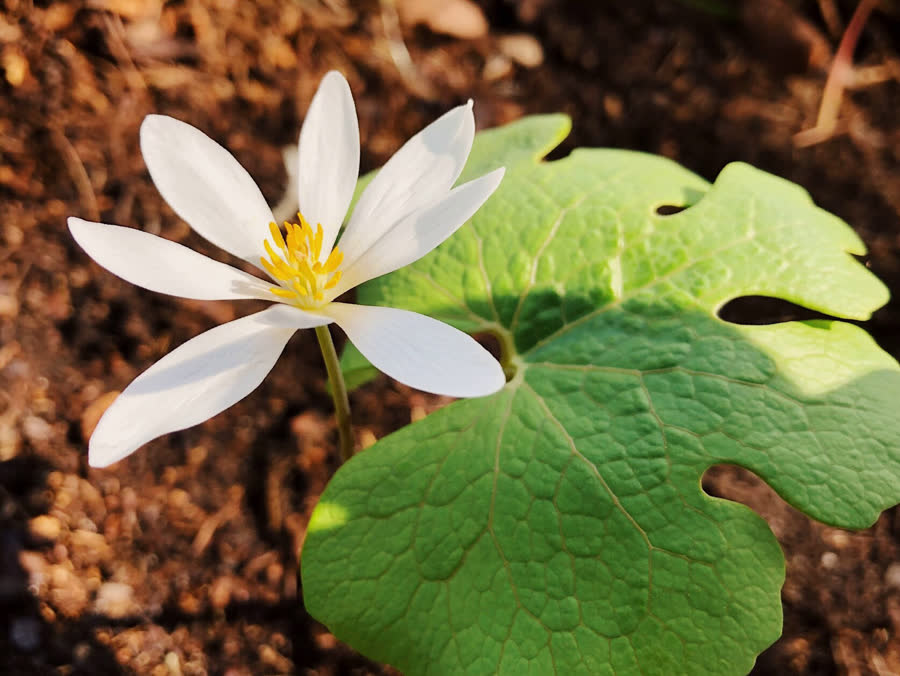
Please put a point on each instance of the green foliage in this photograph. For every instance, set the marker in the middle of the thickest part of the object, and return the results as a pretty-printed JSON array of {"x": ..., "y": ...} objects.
[{"x": 559, "y": 526}]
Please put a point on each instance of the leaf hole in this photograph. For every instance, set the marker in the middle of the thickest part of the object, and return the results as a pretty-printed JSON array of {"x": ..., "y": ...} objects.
[
  {"x": 669, "y": 209},
  {"x": 689, "y": 198},
  {"x": 738, "y": 484},
  {"x": 758, "y": 310},
  {"x": 560, "y": 152}
]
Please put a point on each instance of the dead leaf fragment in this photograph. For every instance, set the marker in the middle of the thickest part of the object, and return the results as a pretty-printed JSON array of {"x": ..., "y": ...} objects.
[
  {"x": 522, "y": 48},
  {"x": 461, "y": 19}
]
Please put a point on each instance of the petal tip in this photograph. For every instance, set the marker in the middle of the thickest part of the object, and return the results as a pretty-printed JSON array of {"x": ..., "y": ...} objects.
[
  {"x": 334, "y": 74},
  {"x": 84, "y": 232},
  {"x": 494, "y": 178},
  {"x": 74, "y": 223},
  {"x": 100, "y": 456},
  {"x": 157, "y": 129},
  {"x": 152, "y": 123}
]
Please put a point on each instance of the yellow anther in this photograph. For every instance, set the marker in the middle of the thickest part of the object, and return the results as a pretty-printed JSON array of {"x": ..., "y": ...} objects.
[
  {"x": 283, "y": 293},
  {"x": 308, "y": 275},
  {"x": 335, "y": 258},
  {"x": 276, "y": 236},
  {"x": 294, "y": 261},
  {"x": 317, "y": 242},
  {"x": 281, "y": 269},
  {"x": 269, "y": 267},
  {"x": 334, "y": 280}
]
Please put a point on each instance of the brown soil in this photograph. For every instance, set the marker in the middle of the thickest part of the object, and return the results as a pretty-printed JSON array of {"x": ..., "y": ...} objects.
[{"x": 182, "y": 559}]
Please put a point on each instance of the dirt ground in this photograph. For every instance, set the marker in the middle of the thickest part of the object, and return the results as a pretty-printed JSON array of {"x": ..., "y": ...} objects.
[{"x": 182, "y": 558}]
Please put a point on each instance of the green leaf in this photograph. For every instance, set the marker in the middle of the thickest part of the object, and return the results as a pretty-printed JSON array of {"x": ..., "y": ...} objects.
[{"x": 559, "y": 526}]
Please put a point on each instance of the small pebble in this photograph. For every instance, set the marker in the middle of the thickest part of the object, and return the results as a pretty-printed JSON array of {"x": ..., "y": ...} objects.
[
  {"x": 36, "y": 429},
  {"x": 173, "y": 664},
  {"x": 45, "y": 527},
  {"x": 9, "y": 306},
  {"x": 829, "y": 560},
  {"x": 10, "y": 441},
  {"x": 892, "y": 576},
  {"x": 835, "y": 537},
  {"x": 188, "y": 603},
  {"x": 220, "y": 592},
  {"x": 35, "y": 565},
  {"x": 272, "y": 658},
  {"x": 196, "y": 455},
  {"x": 115, "y": 600},
  {"x": 366, "y": 437},
  {"x": 274, "y": 573},
  {"x": 89, "y": 547},
  {"x": 68, "y": 593}
]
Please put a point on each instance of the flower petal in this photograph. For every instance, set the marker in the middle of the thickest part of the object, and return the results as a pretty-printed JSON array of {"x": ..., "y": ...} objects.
[
  {"x": 421, "y": 231},
  {"x": 196, "y": 381},
  {"x": 425, "y": 168},
  {"x": 328, "y": 156},
  {"x": 160, "y": 265},
  {"x": 419, "y": 351},
  {"x": 206, "y": 186}
]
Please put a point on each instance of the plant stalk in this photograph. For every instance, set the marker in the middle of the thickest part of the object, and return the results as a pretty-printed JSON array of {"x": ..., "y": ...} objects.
[
  {"x": 338, "y": 392},
  {"x": 839, "y": 76}
]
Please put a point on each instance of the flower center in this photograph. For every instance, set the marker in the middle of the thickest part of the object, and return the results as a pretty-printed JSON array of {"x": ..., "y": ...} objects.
[{"x": 296, "y": 265}]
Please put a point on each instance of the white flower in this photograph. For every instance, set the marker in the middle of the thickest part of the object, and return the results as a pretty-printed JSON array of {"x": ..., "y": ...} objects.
[{"x": 405, "y": 212}]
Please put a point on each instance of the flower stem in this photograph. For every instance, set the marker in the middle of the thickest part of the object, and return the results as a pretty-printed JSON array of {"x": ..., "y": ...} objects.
[{"x": 338, "y": 392}]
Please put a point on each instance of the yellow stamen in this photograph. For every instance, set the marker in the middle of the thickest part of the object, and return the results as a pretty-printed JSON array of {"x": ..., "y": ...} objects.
[
  {"x": 308, "y": 275},
  {"x": 269, "y": 268},
  {"x": 283, "y": 268},
  {"x": 276, "y": 236},
  {"x": 335, "y": 258},
  {"x": 294, "y": 261},
  {"x": 334, "y": 280},
  {"x": 317, "y": 242},
  {"x": 284, "y": 293}
]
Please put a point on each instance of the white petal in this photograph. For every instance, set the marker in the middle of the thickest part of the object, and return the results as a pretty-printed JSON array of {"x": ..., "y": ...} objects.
[
  {"x": 328, "y": 157},
  {"x": 419, "y": 351},
  {"x": 157, "y": 264},
  {"x": 196, "y": 381},
  {"x": 421, "y": 231},
  {"x": 422, "y": 170},
  {"x": 206, "y": 186}
]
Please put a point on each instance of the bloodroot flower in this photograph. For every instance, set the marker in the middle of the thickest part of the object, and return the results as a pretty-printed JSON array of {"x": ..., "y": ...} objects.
[{"x": 407, "y": 210}]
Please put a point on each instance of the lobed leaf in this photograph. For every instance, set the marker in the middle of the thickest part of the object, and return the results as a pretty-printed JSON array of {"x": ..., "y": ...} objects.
[{"x": 560, "y": 527}]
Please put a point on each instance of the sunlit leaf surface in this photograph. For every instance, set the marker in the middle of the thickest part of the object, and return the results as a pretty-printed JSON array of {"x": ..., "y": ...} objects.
[{"x": 559, "y": 527}]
